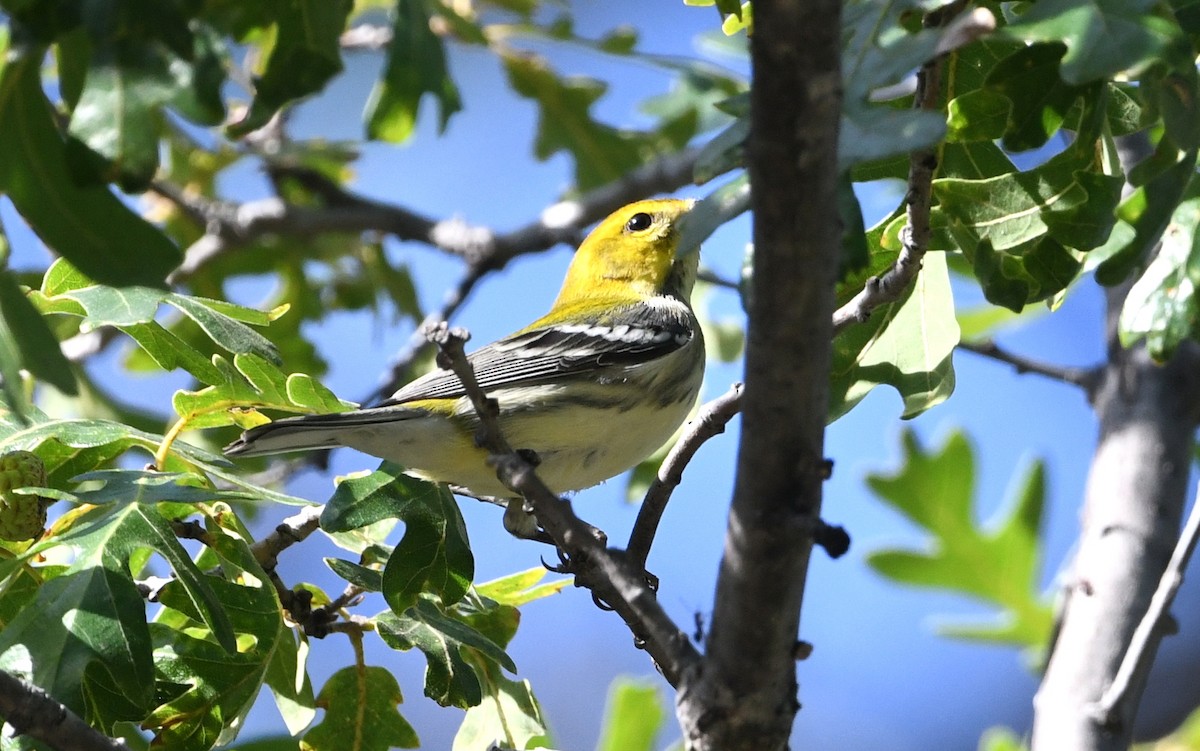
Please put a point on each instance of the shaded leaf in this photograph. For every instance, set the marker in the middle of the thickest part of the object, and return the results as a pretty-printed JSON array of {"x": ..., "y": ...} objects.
[
  {"x": 1103, "y": 37},
  {"x": 1161, "y": 307},
  {"x": 1037, "y": 97},
  {"x": 92, "y": 616},
  {"x": 86, "y": 224},
  {"x": 416, "y": 65},
  {"x": 1023, "y": 231},
  {"x": 1143, "y": 217},
  {"x": 305, "y": 55},
  {"x": 30, "y": 340}
]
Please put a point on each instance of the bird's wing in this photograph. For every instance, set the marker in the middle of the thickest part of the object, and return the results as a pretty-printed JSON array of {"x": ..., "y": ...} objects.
[{"x": 546, "y": 352}]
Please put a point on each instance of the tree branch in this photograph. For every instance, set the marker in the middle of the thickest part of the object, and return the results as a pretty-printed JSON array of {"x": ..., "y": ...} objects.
[
  {"x": 709, "y": 421},
  {"x": 1083, "y": 377},
  {"x": 290, "y": 531},
  {"x": 607, "y": 574},
  {"x": 744, "y": 697},
  {"x": 32, "y": 712},
  {"x": 1133, "y": 505},
  {"x": 230, "y": 226},
  {"x": 1135, "y": 667}
]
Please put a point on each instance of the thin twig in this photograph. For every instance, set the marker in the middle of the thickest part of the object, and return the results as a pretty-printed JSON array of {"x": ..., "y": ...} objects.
[
  {"x": 709, "y": 421},
  {"x": 891, "y": 285},
  {"x": 33, "y": 712},
  {"x": 1112, "y": 706},
  {"x": 1083, "y": 377},
  {"x": 290, "y": 531},
  {"x": 610, "y": 577},
  {"x": 710, "y": 276},
  {"x": 400, "y": 368}
]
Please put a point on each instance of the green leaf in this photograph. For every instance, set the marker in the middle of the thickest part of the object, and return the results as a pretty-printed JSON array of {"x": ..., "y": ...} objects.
[
  {"x": 1038, "y": 100},
  {"x": 1103, "y": 37},
  {"x": 1145, "y": 214},
  {"x": 368, "y": 579},
  {"x": 133, "y": 308},
  {"x": 360, "y": 713},
  {"x": 250, "y": 383},
  {"x": 601, "y": 152},
  {"x": 170, "y": 352},
  {"x": 86, "y": 224},
  {"x": 434, "y": 556},
  {"x": 1161, "y": 307},
  {"x": 906, "y": 344},
  {"x": 633, "y": 716},
  {"x": 416, "y": 65},
  {"x": 71, "y": 447},
  {"x": 215, "y": 692},
  {"x": 978, "y": 115},
  {"x": 305, "y": 55},
  {"x": 120, "y": 486},
  {"x": 512, "y": 716},
  {"x": 28, "y": 336},
  {"x": 229, "y": 333},
  {"x": 521, "y": 588},
  {"x": 446, "y": 642},
  {"x": 1024, "y": 231},
  {"x": 90, "y": 622},
  {"x": 999, "y": 566}
]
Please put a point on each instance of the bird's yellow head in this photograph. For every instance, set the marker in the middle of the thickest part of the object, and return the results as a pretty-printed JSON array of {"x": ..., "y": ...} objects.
[{"x": 632, "y": 253}]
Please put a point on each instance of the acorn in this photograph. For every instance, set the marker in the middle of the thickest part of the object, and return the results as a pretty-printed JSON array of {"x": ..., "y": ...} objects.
[{"x": 22, "y": 517}]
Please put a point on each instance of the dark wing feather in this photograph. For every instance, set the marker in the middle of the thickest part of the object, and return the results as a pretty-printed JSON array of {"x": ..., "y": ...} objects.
[{"x": 541, "y": 354}]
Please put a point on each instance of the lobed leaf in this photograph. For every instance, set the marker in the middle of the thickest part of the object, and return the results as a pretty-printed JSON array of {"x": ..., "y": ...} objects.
[
  {"x": 445, "y": 640},
  {"x": 999, "y": 566},
  {"x": 360, "y": 704},
  {"x": 306, "y": 54},
  {"x": 416, "y": 65}
]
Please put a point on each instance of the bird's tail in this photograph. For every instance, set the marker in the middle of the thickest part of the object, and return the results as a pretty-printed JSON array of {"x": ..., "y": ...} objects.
[{"x": 308, "y": 432}]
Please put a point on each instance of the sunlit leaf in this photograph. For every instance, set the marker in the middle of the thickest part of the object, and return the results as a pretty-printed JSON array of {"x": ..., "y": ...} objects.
[
  {"x": 907, "y": 345},
  {"x": 446, "y": 642},
  {"x": 998, "y": 564},
  {"x": 633, "y": 716}
]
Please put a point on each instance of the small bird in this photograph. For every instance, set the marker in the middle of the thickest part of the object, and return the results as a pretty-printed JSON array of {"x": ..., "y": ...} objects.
[{"x": 592, "y": 388}]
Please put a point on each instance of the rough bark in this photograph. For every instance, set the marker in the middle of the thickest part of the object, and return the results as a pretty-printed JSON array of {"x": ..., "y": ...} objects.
[{"x": 743, "y": 695}]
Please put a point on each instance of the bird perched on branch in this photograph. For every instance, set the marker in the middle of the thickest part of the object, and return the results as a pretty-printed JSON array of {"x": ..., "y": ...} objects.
[{"x": 592, "y": 388}]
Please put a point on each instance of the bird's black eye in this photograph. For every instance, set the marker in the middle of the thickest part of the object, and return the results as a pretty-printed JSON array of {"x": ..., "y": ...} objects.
[{"x": 639, "y": 222}]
